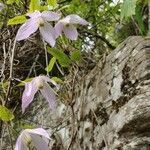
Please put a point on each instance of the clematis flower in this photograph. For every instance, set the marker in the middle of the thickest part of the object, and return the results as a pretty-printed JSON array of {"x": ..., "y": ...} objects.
[
  {"x": 39, "y": 83},
  {"x": 32, "y": 136},
  {"x": 1, "y": 6},
  {"x": 39, "y": 21},
  {"x": 67, "y": 25}
]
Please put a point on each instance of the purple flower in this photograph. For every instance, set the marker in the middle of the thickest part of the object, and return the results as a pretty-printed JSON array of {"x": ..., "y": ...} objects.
[
  {"x": 32, "y": 136},
  {"x": 1, "y": 6},
  {"x": 38, "y": 83},
  {"x": 39, "y": 21},
  {"x": 67, "y": 25}
]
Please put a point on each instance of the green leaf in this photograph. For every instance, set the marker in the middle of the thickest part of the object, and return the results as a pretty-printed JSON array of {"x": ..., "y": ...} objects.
[
  {"x": 12, "y": 1},
  {"x": 17, "y": 20},
  {"x": 5, "y": 114},
  {"x": 51, "y": 64},
  {"x": 128, "y": 8},
  {"x": 22, "y": 83},
  {"x": 76, "y": 55},
  {"x": 34, "y": 5},
  {"x": 138, "y": 16},
  {"x": 62, "y": 58},
  {"x": 56, "y": 79},
  {"x": 52, "y": 3}
]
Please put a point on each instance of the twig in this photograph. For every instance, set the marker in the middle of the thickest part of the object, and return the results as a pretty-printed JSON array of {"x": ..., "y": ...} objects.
[
  {"x": 46, "y": 57},
  {"x": 11, "y": 71},
  {"x": 105, "y": 141}
]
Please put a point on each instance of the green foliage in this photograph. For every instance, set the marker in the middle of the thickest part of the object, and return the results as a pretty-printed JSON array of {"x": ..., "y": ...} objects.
[
  {"x": 52, "y": 3},
  {"x": 51, "y": 64},
  {"x": 17, "y": 20},
  {"x": 76, "y": 55},
  {"x": 5, "y": 114},
  {"x": 128, "y": 8},
  {"x": 56, "y": 79},
  {"x": 62, "y": 58},
  {"x": 13, "y": 1},
  {"x": 22, "y": 83},
  {"x": 34, "y": 5}
]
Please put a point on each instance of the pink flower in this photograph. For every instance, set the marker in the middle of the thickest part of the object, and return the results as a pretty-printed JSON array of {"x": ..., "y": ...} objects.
[
  {"x": 67, "y": 25},
  {"x": 32, "y": 136},
  {"x": 39, "y": 21},
  {"x": 38, "y": 83}
]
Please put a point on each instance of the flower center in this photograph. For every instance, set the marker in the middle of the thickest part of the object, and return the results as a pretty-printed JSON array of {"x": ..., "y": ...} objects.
[
  {"x": 39, "y": 83},
  {"x": 26, "y": 138},
  {"x": 41, "y": 21}
]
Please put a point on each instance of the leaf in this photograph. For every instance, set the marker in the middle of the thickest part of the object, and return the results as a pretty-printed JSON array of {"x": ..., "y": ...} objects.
[
  {"x": 128, "y": 8},
  {"x": 138, "y": 16},
  {"x": 12, "y": 1},
  {"x": 76, "y": 55},
  {"x": 5, "y": 114},
  {"x": 56, "y": 79},
  {"x": 51, "y": 64},
  {"x": 62, "y": 58},
  {"x": 17, "y": 20},
  {"x": 22, "y": 83},
  {"x": 52, "y": 3},
  {"x": 34, "y": 5}
]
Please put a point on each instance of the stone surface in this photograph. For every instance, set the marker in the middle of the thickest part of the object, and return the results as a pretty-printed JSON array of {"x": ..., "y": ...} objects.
[{"x": 108, "y": 107}]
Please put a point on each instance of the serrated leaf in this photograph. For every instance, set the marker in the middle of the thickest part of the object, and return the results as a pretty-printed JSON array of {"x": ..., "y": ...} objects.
[
  {"x": 56, "y": 79},
  {"x": 76, "y": 55},
  {"x": 22, "y": 83},
  {"x": 51, "y": 64},
  {"x": 128, "y": 8},
  {"x": 5, "y": 114},
  {"x": 62, "y": 58},
  {"x": 34, "y": 5},
  {"x": 17, "y": 20}
]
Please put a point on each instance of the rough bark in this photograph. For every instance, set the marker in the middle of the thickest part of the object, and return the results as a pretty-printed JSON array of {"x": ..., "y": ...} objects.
[{"x": 111, "y": 104}]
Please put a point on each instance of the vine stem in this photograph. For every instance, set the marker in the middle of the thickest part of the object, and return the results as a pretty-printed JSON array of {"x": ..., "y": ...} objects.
[{"x": 11, "y": 71}]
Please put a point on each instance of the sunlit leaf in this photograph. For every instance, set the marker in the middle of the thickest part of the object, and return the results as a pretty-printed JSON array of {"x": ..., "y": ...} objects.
[
  {"x": 5, "y": 114},
  {"x": 34, "y": 5},
  {"x": 17, "y": 20},
  {"x": 56, "y": 79},
  {"x": 22, "y": 83},
  {"x": 52, "y": 3},
  {"x": 51, "y": 64}
]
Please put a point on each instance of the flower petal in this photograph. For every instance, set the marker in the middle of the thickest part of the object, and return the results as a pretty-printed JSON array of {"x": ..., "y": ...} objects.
[
  {"x": 39, "y": 143},
  {"x": 29, "y": 27},
  {"x": 70, "y": 32},
  {"x": 58, "y": 29},
  {"x": 48, "y": 33},
  {"x": 47, "y": 79},
  {"x": 34, "y": 15},
  {"x": 38, "y": 131},
  {"x": 28, "y": 94},
  {"x": 75, "y": 19},
  {"x": 49, "y": 95},
  {"x": 19, "y": 144},
  {"x": 50, "y": 16}
]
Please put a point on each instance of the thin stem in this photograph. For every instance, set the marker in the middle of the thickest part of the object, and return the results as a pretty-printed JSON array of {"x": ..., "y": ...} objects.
[
  {"x": 11, "y": 71},
  {"x": 46, "y": 57},
  {"x": 10, "y": 138}
]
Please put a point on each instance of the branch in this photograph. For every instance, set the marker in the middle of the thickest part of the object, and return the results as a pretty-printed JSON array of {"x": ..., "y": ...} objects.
[{"x": 100, "y": 37}]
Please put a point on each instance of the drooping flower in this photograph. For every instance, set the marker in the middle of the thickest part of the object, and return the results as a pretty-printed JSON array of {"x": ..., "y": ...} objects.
[
  {"x": 67, "y": 25},
  {"x": 32, "y": 136},
  {"x": 39, "y": 21},
  {"x": 39, "y": 83},
  {"x": 1, "y": 6}
]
